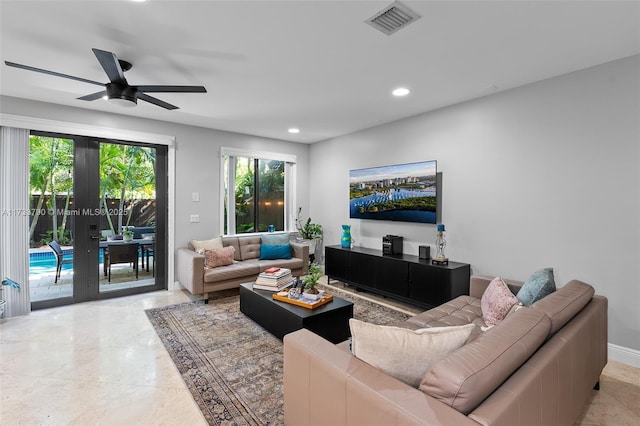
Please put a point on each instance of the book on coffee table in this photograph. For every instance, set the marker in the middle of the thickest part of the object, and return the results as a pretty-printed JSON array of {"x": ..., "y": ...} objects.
[
  {"x": 274, "y": 288},
  {"x": 276, "y": 278}
]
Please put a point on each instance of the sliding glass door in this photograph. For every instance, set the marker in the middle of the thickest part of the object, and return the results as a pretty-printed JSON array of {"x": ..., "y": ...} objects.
[{"x": 99, "y": 215}]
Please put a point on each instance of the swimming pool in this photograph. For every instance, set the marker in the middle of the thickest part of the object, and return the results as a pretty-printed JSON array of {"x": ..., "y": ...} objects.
[{"x": 45, "y": 261}]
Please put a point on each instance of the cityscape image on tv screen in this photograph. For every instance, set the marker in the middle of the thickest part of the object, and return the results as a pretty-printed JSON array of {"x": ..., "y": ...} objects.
[{"x": 402, "y": 192}]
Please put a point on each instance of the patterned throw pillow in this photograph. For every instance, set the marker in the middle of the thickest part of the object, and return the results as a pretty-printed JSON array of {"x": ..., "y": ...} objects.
[
  {"x": 218, "y": 257},
  {"x": 539, "y": 285},
  {"x": 497, "y": 301}
]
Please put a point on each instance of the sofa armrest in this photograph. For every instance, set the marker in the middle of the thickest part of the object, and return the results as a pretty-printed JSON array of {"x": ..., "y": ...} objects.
[
  {"x": 479, "y": 284},
  {"x": 301, "y": 251},
  {"x": 190, "y": 270},
  {"x": 323, "y": 384}
]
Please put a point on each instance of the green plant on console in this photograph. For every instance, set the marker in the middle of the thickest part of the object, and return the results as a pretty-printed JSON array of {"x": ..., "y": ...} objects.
[
  {"x": 308, "y": 230},
  {"x": 311, "y": 280}
]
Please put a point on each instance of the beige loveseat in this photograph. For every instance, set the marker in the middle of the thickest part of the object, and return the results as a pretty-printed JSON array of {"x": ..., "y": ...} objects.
[
  {"x": 192, "y": 275},
  {"x": 537, "y": 367}
]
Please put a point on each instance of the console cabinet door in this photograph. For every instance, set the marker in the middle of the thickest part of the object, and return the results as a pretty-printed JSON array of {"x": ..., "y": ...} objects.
[
  {"x": 391, "y": 276},
  {"x": 429, "y": 285},
  {"x": 360, "y": 270},
  {"x": 336, "y": 263}
]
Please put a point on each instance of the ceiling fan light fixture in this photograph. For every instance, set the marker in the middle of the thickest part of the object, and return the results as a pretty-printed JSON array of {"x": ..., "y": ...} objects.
[{"x": 125, "y": 96}]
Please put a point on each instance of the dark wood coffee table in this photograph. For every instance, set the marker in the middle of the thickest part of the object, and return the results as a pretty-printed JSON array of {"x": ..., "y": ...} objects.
[{"x": 330, "y": 321}]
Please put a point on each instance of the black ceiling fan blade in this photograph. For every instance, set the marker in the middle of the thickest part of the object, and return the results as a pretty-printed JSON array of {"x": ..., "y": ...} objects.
[
  {"x": 93, "y": 96},
  {"x": 155, "y": 101},
  {"x": 56, "y": 74},
  {"x": 110, "y": 64},
  {"x": 172, "y": 89}
]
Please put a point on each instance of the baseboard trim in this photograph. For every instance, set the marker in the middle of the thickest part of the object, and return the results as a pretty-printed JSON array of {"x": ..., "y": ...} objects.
[{"x": 624, "y": 355}]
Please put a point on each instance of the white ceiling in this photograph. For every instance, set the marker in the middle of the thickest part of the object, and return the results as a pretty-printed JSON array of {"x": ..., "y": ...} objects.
[{"x": 271, "y": 65}]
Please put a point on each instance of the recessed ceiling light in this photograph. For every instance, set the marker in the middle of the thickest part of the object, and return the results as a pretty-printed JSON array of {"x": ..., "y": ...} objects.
[
  {"x": 294, "y": 130},
  {"x": 400, "y": 91}
]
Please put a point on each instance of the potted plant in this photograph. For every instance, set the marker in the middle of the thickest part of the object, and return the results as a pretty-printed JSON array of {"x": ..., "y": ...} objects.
[
  {"x": 10, "y": 283},
  {"x": 127, "y": 235},
  {"x": 311, "y": 282},
  {"x": 309, "y": 232}
]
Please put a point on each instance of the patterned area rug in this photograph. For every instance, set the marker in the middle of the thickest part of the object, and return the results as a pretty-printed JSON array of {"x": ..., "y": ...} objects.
[{"x": 231, "y": 365}]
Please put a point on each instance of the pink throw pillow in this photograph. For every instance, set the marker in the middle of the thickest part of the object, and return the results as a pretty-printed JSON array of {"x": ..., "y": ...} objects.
[
  {"x": 497, "y": 301},
  {"x": 218, "y": 257}
]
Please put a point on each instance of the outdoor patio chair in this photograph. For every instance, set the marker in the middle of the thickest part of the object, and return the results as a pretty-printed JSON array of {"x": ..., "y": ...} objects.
[
  {"x": 60, "y": 259},
  {"x": 121, "y": 253}
]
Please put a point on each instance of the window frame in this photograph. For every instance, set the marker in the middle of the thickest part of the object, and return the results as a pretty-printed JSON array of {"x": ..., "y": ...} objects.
[{"x": 229, "y": 200}]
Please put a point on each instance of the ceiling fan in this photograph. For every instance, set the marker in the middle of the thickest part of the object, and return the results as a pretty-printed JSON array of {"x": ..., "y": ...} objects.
[{"x": 118, "y": 90}]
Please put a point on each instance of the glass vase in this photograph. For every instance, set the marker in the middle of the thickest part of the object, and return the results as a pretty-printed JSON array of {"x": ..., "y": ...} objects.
[{"x": 345, "y": 240}]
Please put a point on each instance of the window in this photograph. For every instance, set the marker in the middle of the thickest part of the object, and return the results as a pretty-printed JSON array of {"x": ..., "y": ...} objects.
[{"x": 256, "y": 187}]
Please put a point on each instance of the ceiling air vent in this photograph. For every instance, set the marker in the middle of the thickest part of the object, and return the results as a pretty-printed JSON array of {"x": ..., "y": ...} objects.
[{"x": 392, "y": 18}]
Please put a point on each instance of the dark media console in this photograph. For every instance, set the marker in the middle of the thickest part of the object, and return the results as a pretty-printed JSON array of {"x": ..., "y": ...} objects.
[{"x": 403, "y": 277}]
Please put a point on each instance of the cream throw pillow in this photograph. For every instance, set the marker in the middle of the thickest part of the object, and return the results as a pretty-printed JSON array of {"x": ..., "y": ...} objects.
[
  {"x": 402, "y": 353},
  {"x": 212, "y": 244}
]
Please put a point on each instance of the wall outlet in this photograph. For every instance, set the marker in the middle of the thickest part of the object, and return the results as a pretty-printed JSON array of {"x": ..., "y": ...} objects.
[
  {"x": 194, "y": 218},
  {"x": 195, "y": 196}
]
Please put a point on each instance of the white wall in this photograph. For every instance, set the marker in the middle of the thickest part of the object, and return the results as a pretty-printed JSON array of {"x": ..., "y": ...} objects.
[
  {"x": 543, "y": 175},
  {"x": 197, "y": 159}
]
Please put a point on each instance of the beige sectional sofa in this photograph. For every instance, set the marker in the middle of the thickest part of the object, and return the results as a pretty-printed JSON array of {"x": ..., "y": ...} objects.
[
  {"x": 192, "y": 274},
  {"x": 537, "y": 367}
]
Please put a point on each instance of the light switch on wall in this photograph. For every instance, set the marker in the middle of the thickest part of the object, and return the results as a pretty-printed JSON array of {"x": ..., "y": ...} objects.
[
  {"x": 194, "y": 218},
  {"x": 195, "y": 196}
]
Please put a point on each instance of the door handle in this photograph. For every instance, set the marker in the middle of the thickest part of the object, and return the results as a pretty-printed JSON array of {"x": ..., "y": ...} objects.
[{"x": 95, "y": 237}]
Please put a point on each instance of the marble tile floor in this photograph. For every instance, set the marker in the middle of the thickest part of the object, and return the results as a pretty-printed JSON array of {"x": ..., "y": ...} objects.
[
  {"x": 42, "y": 285},
  {"x": 101, "y": 363}
]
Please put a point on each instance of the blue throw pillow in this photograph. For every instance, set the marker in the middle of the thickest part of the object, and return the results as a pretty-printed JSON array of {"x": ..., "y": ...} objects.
[
  {"x": 275, "y": 239},
  {"x": 268, "y": 252},
  {"x": 539, "y": 285}
]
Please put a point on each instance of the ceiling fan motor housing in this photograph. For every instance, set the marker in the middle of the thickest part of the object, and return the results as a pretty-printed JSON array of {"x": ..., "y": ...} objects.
[{"x": 122, "y": 94}]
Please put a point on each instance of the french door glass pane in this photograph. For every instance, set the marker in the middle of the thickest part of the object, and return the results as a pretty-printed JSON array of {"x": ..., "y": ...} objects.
[
  {"x": 51, "y": 217},
  {"x": 128, "y": 216}
]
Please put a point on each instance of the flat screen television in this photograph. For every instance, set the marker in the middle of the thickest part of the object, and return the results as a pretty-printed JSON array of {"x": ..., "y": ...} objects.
[{"x": 402, "y": 192}]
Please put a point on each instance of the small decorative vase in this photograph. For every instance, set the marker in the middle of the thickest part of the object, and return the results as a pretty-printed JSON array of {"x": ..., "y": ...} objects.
[
  {"x": 127, "y": 238},
  {"x": 345, "y": 241}
]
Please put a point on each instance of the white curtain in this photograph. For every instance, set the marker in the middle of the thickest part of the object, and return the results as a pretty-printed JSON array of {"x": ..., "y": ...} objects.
[{"x": 14, "y": 218}]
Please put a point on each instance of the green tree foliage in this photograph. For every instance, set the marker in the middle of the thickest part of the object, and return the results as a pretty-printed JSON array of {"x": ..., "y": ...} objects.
[
  {"x": 127, "y": 173},
  {"x": 51, "y": 172}
]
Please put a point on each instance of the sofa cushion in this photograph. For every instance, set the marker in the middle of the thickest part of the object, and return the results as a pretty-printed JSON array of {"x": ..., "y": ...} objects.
[
  {"x": 218, "y": 257},
  {"x": 404, "y": 354},
  {"x": 564, "y": 303},
  {"x": 293, "y": 263},
  {"x": 201, "y": 246},
  {"x": 249, "y": 247},
  {"x": 233, "y": 242},
  {"x": 497, "y": 301},
  {"x": 539, "y": 284},
  {"x": 268, "y": 252},
  {"x": 459, "y": 311},
  {"x": 470, "y": 374},
  {"x": 272, "y": 239},
  {"x": 237, "y": 270}
]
